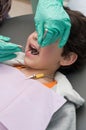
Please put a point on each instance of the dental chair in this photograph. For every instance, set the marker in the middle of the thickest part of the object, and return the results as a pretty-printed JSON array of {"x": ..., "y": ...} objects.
[{"x": 18, "y": 28}]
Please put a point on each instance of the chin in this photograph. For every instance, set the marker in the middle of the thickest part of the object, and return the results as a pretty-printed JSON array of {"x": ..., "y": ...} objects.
[{"x": 28, "y": 63}]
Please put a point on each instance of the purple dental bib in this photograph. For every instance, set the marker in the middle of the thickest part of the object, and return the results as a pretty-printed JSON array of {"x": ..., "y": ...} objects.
[{"x": 25, "y": 104}]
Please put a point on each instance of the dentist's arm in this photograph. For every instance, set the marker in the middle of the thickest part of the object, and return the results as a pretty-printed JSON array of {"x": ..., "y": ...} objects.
[
  {"x": 34, "y": 5},
  {"x": 52, "y": 22}
]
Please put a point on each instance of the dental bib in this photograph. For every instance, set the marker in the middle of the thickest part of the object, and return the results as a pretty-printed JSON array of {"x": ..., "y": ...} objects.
[{"x": 25, "y": 104}]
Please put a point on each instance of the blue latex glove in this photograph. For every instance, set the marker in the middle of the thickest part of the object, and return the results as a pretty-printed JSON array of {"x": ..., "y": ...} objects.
[
  {"x": 8, "y": 49},
  {"x": 52, "y": 22}
]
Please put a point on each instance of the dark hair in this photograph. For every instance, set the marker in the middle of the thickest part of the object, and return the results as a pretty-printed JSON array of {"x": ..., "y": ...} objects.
[
  {"x": 77, "y": 39},
  {"x": 5, "y": 6}
]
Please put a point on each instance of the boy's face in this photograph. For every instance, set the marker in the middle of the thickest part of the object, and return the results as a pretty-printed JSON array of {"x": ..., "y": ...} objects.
[{"x": 46, "y": 58}]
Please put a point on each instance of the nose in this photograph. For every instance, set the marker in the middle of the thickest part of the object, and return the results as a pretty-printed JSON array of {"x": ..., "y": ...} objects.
[{"x": 35, "y": 37}]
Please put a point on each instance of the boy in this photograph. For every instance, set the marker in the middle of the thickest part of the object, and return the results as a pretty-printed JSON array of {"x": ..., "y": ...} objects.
[{"x": 48, "y": 60}]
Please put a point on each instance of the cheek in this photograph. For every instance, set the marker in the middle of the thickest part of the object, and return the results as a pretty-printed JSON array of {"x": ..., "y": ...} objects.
[
  {"x": 51, "y": 57},
  {"x": 46, "y": 58}
]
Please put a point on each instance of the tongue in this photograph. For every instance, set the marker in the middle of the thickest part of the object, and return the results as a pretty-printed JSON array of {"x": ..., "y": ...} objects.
[{"x": 34, "y": 52}]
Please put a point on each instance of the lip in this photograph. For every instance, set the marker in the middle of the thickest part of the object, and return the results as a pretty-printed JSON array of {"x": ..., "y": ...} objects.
[
  {"x": 34, "y": 45},
  {"x": 28, "y": 53}
]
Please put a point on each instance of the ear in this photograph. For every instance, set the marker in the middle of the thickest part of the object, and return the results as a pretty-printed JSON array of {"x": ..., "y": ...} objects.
[{"x": 69, "y": 59}]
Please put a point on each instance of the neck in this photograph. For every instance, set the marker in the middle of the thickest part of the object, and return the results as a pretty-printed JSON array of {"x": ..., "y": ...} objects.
[{"x": 48, "y": 76}]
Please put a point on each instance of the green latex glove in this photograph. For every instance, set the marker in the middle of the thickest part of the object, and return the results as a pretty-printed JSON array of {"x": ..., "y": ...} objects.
[
  {"x": 8, "y": 49},
  {"x": 52, "y": 22}
]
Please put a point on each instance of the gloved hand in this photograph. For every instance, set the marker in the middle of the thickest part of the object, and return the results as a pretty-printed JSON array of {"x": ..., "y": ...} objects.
[
  {"x": 8, "y": 49},
  {"x": 52, "y": 22}
]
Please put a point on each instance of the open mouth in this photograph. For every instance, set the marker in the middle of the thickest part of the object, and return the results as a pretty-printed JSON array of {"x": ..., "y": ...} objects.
[{"x": 33, "y": 50}]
